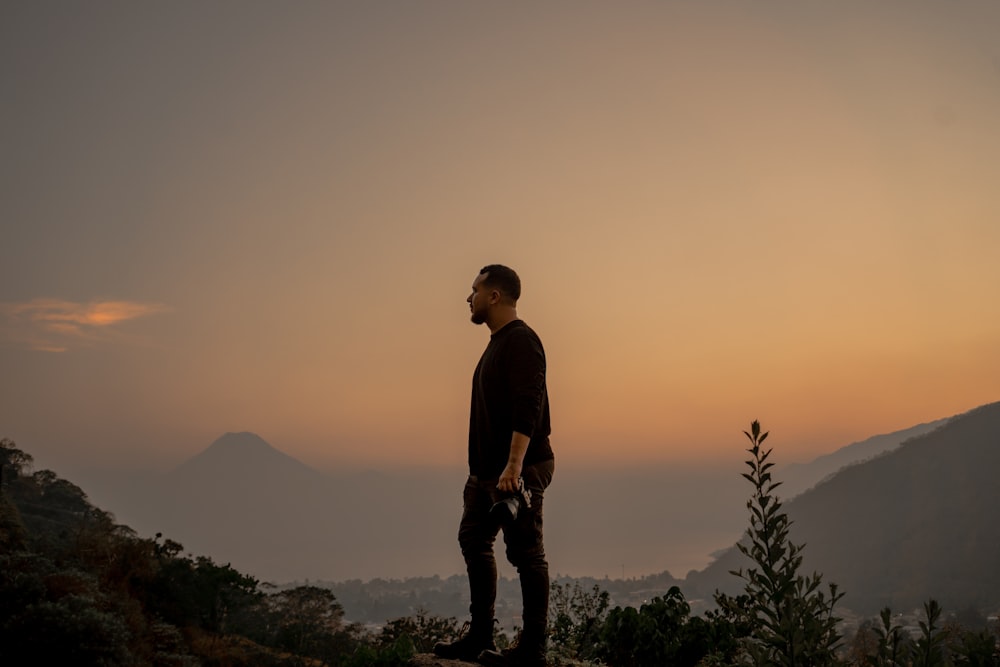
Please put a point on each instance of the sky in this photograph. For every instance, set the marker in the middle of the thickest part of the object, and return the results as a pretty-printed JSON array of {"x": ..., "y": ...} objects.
[{"x": 266, "y": 217}]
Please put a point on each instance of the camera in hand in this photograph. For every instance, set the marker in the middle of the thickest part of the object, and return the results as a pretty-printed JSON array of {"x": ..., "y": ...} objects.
[{"x": 505, "y": 511}]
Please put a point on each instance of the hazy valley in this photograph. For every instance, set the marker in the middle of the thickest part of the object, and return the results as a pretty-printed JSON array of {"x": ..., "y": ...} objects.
[{"x": 244, "y": 502}]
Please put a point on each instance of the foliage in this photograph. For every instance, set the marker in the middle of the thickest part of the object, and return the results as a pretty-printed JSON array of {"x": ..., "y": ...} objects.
[
  {"x": 304, "y": 620},
  {"x": 395, "y": 654},
  {"x": 12, "y": 531},
  {"x": 54, "y": 616},
  {"x": 198, "y": 592},
  {"x": 977, "y": 649},
  {"x": 893, "y": 646},
  {"x": 662, "y": 632},
  {"x": 942, "y": 643},
  {"x": 423, "y": 631},
  {"x": 793, "y": 619},
  {"x": 577, "y": 617},
  {"x": 13, "y": 461},
  {"x": 77, "y": 589},
  {"x": 930, "y": 645}
]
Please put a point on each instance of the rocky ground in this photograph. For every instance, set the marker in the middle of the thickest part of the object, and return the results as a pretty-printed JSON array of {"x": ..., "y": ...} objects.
[{"x": 431, "y": 660}]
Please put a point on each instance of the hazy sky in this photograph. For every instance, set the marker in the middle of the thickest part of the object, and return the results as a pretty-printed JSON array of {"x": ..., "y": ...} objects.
[{"x": 262, "y": 216}]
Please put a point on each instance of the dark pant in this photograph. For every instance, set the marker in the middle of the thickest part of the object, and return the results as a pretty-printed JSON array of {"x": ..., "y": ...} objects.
[{"x": 525, "y": 551}]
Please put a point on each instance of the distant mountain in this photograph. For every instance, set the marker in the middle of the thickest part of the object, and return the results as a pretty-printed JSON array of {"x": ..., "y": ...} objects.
[
  {"x": 798, "y": 477},
  {"x": 917, "y": 522},
  {"x": 244, "y": 502},
  {"x": 236, "y": 456}
]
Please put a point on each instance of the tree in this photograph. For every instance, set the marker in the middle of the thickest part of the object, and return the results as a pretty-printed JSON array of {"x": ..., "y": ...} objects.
[
  {"x": 55, "y": 616},
  {"x": 12, "y": 463},
  {"x": 306, "y": 616}
]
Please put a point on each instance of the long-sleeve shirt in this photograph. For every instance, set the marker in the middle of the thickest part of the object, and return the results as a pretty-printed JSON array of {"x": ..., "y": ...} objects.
[{"x": 509, "y": 394}]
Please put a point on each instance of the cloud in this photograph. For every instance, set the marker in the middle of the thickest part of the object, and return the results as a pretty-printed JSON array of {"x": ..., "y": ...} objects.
[{"x": 53, "y": 325}]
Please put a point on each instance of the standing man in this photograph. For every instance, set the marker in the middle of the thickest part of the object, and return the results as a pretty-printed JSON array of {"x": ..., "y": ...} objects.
[{"x": 510, "y": 466}]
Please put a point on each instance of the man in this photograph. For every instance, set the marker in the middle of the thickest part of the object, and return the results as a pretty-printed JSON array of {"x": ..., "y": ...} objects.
[{"x": 508, "y": 446}]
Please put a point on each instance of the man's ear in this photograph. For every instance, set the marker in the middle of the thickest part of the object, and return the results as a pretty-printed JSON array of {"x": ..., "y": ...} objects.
[{"x": 495, "y": 296}]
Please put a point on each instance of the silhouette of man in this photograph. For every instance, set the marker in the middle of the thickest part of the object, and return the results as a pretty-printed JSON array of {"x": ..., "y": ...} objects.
[{"x": 508, "y": 447}]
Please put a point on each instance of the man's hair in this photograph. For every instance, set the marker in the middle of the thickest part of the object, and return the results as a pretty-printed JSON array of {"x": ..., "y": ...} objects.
[{"x": 504, "y": 279}]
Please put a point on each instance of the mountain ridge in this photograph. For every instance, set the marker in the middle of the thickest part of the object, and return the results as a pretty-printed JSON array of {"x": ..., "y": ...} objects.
[
  {"x": 799, "y": 477},
  {"x": 915, "y": 522}
]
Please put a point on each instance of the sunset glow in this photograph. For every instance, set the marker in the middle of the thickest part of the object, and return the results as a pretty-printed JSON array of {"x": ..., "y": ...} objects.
[
  {"x": 32, "y": 323},
  {"x": 267, "y": 219}
]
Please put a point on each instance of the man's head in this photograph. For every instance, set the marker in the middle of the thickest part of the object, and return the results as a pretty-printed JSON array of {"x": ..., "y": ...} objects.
[{"x": 495, "y": 292}]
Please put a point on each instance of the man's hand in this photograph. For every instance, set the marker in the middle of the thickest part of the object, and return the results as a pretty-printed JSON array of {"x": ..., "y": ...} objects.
[
  {"x": 512, "y": 473},
  {"x": 509, "y": 477}
]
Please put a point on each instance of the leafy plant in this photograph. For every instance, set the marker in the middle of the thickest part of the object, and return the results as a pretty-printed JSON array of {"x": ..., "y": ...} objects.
[
  {"x": 978, "y": 649},
  {"x": 892, "y": 641},
  {"x": 576, "y": 619},
  {"x": 424, "y": 630},
  {"x": 930, "y": 644},
  {"x": 793, "y": 620},
  {"x": 662, "y": 632}
]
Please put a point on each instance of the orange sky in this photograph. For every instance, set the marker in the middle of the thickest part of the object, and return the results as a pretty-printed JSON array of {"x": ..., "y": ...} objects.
[{"x": 261, "y": 217}]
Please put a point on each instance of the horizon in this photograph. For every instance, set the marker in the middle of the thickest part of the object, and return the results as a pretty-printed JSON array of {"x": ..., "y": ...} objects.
[
  {"x": 691, "y": 517},
  {"x": 733, "y": 458},
  {"x": 269, "y": 219},
  {"x": 700, "y": 508}
]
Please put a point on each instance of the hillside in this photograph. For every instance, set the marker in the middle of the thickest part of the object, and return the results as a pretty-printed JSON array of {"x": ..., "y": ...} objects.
[
  {"x": 798, "y": 477},
  {"x": 919, "y": 521},
  {"x": 76, "y": 588}
]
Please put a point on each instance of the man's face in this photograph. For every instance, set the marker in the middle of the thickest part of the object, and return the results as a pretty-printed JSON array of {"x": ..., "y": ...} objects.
[{"x": 479, "y": 300}]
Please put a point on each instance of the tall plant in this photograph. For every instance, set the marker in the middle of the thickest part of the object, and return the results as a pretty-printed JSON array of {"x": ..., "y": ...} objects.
[
  {"x": 793, "y": 623},
  {"x": 891, "y": 645},
  {"x": 930, "y": 644}
]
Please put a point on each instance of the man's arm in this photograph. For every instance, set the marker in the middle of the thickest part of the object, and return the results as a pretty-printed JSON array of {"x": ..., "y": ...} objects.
[
  {"x": 511, "y": 473},
  {"x": 527, "y": 383}
]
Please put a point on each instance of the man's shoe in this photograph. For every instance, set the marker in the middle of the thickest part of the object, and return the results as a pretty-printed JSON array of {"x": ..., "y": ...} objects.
[
  {"x": 515, "y": 656},
  {"x": 467, "y": 647}
]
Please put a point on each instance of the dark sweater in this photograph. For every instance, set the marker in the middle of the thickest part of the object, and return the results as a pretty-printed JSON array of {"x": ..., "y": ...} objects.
[{"x": 509, "y": 394}]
